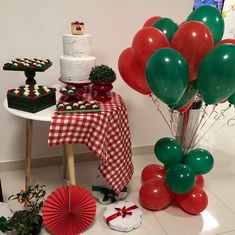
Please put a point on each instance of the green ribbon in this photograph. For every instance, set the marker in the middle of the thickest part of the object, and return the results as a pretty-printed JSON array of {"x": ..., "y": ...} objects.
[{"x": 108, "y": 193}]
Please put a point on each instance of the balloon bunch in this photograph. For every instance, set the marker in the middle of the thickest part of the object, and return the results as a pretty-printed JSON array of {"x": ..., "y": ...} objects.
[
  {"x": 180, "y": 178},
  {"x": 176, "y": 62}
]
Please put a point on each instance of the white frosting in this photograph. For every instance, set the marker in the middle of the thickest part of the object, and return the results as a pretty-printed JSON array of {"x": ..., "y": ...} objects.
[
  {"x": 77, "y": 45},
  {"x": 76, "y": 69},
  {"x": 127, "y": 223},
  {"x": 77, "y": 61}
]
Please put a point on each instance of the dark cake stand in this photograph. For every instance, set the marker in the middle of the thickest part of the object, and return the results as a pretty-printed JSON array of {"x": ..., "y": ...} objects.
[{"x": 29, "y": 72}]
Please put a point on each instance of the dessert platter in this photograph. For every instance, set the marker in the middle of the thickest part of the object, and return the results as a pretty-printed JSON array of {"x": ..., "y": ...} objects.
[
  {"x": 24, "y": 64},
  {"x": 78, "y": 107},
  {"x": 31, "y": 98},
  {"x": 29, "y": 66}
]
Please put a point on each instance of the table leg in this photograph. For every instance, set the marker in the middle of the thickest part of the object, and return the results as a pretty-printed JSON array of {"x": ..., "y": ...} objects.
[
  {"x": 29, "y": 133},
  {"x": 71, "y": 163},
  {"x": 65, "y": 163}
]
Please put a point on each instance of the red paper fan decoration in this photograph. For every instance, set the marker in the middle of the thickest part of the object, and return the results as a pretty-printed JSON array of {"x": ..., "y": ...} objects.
[{"x": 69, "y": 210}]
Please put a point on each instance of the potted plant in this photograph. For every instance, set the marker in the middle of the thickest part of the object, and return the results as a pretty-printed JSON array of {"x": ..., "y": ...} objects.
[
  {"x": 102, "y": 77},
  {"x": 28, "y": 221}
]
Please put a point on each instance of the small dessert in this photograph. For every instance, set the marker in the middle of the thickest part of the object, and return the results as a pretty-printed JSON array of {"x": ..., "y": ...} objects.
[
  {"x": 95, "y": 107},
  {"x": 88, "y": 106},
  {"x": 69, "y": 107},
  {"x": 60, "y": 107},
  {"x": 82, "y": 107},
  {"x": 70, "y": 90},
  {"x": 75, "y": 106},
  {"x": 77, "y": 28}
]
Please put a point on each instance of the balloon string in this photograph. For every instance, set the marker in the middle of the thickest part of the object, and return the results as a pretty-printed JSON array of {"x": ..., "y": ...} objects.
[
  {"x": 232, "y": 119},
  {"x": 157, "y": 103},
  {"x": 199, "y": 129},
  {"x": 173, "y": 126},
  {"x": 208, "y": 118},
  {"x": 222, "y": 114},
  {"x": 184, "y": 129},
  {"x": 191, "y": 125},
  {"x": 174, "y": 121},
  {"x": 191, "y": 128},
  {"x": 226, "y": 123},
  {"x": 195, "y": 131}
]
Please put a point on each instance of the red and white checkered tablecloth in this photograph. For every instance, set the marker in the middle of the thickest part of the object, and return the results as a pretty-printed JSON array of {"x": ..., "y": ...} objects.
[{"x": 105, "y": 133}]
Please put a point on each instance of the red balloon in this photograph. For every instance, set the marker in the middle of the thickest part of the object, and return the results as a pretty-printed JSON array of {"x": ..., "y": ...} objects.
[
  {"x": 200, "y": 181},
  {"x": 227, "y": 41},
  {"x": 154, "y": 195},
  {"x": 153, "y": 171},
  {"x": 151, "y": 20},
  {"x": 146, "y": 42},
  {"x": 131, "y": 73},
  {"x": 193, "y": 202},
  {"x": 193, "y": 40},
  {"x": 186, "y": 107}
]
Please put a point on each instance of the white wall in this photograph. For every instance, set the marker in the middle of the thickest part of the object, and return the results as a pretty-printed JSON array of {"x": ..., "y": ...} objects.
[
  {"x": 34, "y": 29},
  {"x": 229, "y": 20}
]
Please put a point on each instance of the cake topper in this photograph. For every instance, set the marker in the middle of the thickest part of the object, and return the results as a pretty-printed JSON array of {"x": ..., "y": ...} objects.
[{"x": 77, "y": 28}]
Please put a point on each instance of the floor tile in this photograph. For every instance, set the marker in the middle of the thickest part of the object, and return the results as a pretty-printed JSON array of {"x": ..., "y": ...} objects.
[
  {"x": 140, "y": 162},
  {"x": 214, "y": 220},
  {"x": 13, "y": 181},
  {"x": 149, "y": 226},
  {"x": 227, "y": 233},
  {"x": 99, "y": 226},
  {"x": 218, "y": 219},
  {"x": 224, "y": 189}
]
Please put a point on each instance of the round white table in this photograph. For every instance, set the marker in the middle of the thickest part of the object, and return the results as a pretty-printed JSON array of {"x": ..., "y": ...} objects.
[{"x": 44, "y": 115}]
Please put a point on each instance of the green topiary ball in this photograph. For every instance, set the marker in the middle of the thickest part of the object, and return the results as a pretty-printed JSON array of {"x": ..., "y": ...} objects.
[{"x": 102, "y": 73}]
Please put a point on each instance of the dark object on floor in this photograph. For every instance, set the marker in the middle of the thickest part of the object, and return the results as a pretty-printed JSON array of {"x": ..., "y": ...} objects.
[{"x": 1, "y": 196}]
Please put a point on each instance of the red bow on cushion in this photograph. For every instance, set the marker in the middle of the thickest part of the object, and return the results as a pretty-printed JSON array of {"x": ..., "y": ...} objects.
[{"x": 121, "y": 212}]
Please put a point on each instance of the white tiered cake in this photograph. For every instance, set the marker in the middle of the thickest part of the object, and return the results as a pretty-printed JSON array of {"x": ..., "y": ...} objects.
[{"x": 77, "y": 61}]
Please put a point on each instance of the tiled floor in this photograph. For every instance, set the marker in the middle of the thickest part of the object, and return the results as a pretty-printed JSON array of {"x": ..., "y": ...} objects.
[{"x": 218, "y": 218}]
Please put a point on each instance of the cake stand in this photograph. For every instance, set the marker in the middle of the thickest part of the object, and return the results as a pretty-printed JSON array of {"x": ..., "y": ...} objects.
[
  {"x": 30, "y": 72},
  {"x": 78, "y": 96},
  {"x": 80, "y": 84}
]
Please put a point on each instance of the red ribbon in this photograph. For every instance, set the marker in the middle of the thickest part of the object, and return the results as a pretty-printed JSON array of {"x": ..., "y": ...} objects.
[{"x": 121, "y": 212}]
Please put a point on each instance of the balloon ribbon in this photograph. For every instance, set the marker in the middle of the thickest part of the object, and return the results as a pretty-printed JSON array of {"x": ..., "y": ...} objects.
[
  {"x": 157, "y": 103},
  {"x": 123, "y": 212}
]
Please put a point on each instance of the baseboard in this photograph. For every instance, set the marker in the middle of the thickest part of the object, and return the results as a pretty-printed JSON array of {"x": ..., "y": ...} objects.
[{"x": 55, "y": 160}]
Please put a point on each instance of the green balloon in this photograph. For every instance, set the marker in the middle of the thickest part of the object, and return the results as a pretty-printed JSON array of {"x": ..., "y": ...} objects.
[
  {"x": 167, "y": 26},
  {"x": 231, "y": 99},
  {"x": 167, "y": 75},
  {"x": 180, "y": 178},
  {"x": 200, "y": 161},
  {"x": 216, "y": 74},
  {"x": 168, "y": 151},
  {"x": 212, "y": 18},
  {"x": 190, "y": 92}
]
